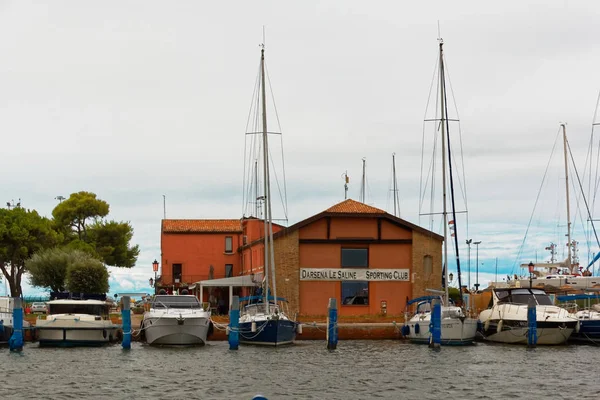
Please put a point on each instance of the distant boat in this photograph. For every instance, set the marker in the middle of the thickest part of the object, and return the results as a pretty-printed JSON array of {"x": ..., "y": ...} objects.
[
  {"x": 74, "y": 322},
  {"x": 176, "y": 320},
  {"x": 457, "y": 328},
  {"x": 506, "y": 320},
  {"x": 263, "y": 320},
  {"x": 6, "y": 319}
]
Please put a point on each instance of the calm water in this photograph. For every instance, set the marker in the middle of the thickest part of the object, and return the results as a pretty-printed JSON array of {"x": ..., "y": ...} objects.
[{"x": 356, "y": 370}]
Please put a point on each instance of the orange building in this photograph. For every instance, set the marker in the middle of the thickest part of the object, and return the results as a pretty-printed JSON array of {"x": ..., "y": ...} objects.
[{"x": 367, "y": 259}]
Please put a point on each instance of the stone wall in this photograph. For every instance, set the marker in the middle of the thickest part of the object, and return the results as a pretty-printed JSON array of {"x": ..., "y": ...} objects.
[
  {"x": 287, "y": 264},
  {"x": 422, "y": 246}
]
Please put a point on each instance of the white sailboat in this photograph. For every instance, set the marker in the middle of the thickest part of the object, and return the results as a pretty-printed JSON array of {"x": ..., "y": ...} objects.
[
  {"x": 457, "y": 328},
  {"x": 263, "y": 320}
]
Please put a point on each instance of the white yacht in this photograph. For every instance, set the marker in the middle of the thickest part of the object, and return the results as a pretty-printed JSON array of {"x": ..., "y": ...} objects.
[
  {"x": 506, "y": 320},
  {"x": 73, "y": 322},
  {"x": 176, "y": 320},
  {"x": 457, "y": 329}
]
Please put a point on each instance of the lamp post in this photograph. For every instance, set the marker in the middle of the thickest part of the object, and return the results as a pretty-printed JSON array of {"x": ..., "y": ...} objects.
[
  {"x": 477, "y": 265},
  {"x": 155, "y": 268},
  {"x": 530, "y": 273},
  {"x": 469, "y": 262}
]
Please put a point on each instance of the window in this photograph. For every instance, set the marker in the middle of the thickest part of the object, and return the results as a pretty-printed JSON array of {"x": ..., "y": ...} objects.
[
  {"x": 228, "y": 244},
  {"x": 355, "y": 293},
  {"x": 176, "y": 273},
  {"x": 228, "y": 270},
  {"x": 355, "y": 258},
  {"x": 427, "y": 266}
]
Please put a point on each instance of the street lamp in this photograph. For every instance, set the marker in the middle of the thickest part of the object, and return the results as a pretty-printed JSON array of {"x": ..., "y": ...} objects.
[
  {"x": 477, "y": 266},
  {"x": 155, "y": 268},
  {"x": 450, "y": 277},
  {"x": 469, "y": 261}
]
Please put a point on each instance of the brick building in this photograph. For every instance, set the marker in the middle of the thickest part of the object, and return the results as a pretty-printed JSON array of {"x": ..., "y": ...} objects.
[{"x": 358, "y": 254}]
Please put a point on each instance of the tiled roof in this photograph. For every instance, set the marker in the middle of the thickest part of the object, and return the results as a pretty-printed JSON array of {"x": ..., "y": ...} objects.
[
  {"x": 201, "y": 225},
  {"x": 355, "y": 207}
]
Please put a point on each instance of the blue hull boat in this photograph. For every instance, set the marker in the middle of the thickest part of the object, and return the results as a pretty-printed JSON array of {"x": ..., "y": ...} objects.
[{"x": 268, "y": 333}]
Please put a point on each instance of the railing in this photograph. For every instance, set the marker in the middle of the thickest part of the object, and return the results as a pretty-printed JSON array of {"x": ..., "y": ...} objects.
[{"x": 186, "y": 280}]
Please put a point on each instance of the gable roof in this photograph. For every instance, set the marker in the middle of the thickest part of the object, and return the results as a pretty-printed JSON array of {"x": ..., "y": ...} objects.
[
  {"x": 201, "y": 226},
  {"x": 355, "y": 209},
  {"x": 353, "y": 206}
]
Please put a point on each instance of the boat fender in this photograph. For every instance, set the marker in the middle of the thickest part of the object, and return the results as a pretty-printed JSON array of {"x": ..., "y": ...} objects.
[
  {"x": 486, "y": 325},
  {"x": 577, "y": 327},
  {"x": 119, "y": 335},
  {"x": 299, "y": 329},
  {"x": 499, "y": 327},
  {"x": 417, "y": 328},
  {"x": 227, "y": 330},
  {"x": 211, "y": 328},
  {"x": 253, "y": 327},
  {"x": 405, "y": 330},
  {"x": 104, "y": 333}
]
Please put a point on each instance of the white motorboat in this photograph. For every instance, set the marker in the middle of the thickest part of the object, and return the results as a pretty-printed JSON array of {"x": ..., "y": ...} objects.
[
  {"x": 76, "y": 323},
  {"x": 6, "y": 319},
  {"x": 457, "y": 329},
  {"x": 506, "y": 320},
  {"x": 176, "y": 320}
]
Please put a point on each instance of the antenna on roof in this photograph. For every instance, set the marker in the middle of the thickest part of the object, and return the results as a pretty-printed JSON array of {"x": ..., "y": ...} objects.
[
  {"x": 164, "y": 207},
  {"x": 346, "y": 181}
]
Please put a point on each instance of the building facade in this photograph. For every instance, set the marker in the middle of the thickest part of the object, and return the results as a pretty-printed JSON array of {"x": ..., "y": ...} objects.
[{"x": 367, "y": 259}]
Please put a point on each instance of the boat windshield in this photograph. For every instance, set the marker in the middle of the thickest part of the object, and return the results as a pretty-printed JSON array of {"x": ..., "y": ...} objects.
[
  {"x": 260, "y": 308},
  {"x": 522, "y": 296},
  {"x": 171, "y": 301},
  {"x": 78, "y": 308}
]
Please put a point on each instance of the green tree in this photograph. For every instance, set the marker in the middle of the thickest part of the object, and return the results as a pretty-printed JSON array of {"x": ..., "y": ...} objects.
[
  {"x": 78, "y": 210},
  {"x": 111, "y": 240},
  {"x": 81, "y": 217},
  {"x": 48, "y": 268},
  {"x": 87, "y": 275},
  {"x": 22, "y": 233}
]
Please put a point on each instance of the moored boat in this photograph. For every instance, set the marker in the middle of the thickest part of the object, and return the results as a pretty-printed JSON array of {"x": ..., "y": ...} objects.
[
  {"x": 73, "y": 322},
  {"x": 264, "y": 325},
  {"x": 176, "y": 320},
  {"x": 506, "y": 320},
  {"x": 588, "y": 329},
  {"x": 6, "y": 319}
]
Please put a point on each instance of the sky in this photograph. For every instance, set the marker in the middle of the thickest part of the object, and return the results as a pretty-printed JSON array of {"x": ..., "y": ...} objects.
[{"x": 139, "y": 100}]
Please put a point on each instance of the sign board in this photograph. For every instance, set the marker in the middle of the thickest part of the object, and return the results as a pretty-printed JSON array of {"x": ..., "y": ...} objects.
[{"x": 354, "y": 274}]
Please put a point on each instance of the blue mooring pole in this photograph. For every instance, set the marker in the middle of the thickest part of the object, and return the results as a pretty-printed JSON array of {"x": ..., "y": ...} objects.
[
  {"x": 332, "y": 327},
  {"x": 234, "y": 323},
  {"x": 15, "y": 342},
  {"x": 126, "y": 317},
  {"x": 531, "y": 324},
  {"x": 435, "y": 327}
]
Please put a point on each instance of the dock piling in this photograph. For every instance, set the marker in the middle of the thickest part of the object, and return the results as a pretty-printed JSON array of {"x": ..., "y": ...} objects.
[
  {"x": 332, "y": 328},
  {"x": 126, "y": 317},
  {"x": 234, "y": 323},
  {"x": 15, "y": 342},
  {"x": 531, "y": 324},
  {"x": 435, "y": 327}
]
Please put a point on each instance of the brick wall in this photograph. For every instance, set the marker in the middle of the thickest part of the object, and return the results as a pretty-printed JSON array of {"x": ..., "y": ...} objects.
[
  {"x": 287, "y": 263},
  {"x": 425, "y": 245}
]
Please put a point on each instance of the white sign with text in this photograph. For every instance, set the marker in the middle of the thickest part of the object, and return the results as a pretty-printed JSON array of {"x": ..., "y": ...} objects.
[{"x": 354, "y": 274}]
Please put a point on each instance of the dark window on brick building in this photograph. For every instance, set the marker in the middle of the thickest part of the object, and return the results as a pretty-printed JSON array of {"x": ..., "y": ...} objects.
[
  {"x": 177, "y": 272},
  {"x": 228, "y": 270},
  {"x": 355, "y": 292},
  {"x": 228, "y": 244}
]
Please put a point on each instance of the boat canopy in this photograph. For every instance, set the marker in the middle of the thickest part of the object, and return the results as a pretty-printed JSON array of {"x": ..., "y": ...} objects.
[
  {"x": 256, "y": 298},
  {"x": 571, "y": 297},
  {"x": 422, "y": 298}
]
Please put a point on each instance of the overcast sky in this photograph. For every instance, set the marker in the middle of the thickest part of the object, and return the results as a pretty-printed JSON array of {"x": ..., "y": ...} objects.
[{"x": 136, "y": 100}]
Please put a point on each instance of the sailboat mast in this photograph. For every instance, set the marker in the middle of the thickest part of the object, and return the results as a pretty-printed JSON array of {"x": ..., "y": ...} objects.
[
  {"x": 396, "y": 200},
  {"x": 564, "y": 129},
  {"x": 445, "y": 211},
  {"x": 267, "y": 199},
  {"x": 363, "y": 183}
]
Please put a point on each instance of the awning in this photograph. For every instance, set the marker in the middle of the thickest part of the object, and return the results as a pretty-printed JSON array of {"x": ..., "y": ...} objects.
[{"x": 234, "y": 281}]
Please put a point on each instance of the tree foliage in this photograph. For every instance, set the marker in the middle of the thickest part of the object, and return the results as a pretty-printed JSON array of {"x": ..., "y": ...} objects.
[
  {"x": 81, "y": 217},
  {"x": 78, "y": 210},
  {"x": 22, "y": 233},
  {"x": 87, "y": 275},
  {"x": 111, "y": 240},
  {"x": 48, "y": 268}
]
